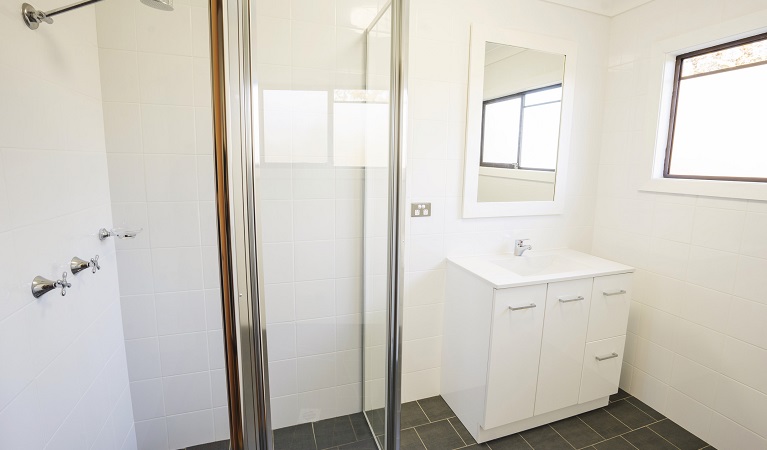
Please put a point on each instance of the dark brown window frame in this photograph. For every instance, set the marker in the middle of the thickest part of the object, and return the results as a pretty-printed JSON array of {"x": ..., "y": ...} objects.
[
  {"x": 520, "y": 95},
  {"x": 675, "y": 98}
]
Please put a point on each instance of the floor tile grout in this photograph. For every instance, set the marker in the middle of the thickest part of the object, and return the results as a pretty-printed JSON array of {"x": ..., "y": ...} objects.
[
  {"x": 563, "y": 438},
  {"x": 487, "y": 445}
]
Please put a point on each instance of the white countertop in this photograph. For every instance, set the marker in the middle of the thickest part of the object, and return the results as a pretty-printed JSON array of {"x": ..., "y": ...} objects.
[{"x": 574, "y": 265}]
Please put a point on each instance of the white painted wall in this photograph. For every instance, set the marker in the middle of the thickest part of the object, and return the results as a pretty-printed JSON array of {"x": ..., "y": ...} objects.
[
  {"x": 496, "y": 184},
  {"x": 63, "y": 373},
  {"x": 697, "y": 347},
  {"x": 155, "y": 82},
  {"x": 437, "y": 95},
  {"x": 523, "y": 71}
]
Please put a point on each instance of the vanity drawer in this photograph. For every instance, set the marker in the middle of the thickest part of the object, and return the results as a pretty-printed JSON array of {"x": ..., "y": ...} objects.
[
  {"x": 515, "y": 348},
  {"x": 610, "y": 302},
  {"x": 602, "y": 363}
]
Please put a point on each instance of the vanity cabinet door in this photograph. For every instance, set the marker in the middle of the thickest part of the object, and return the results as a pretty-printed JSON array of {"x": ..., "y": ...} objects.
[
  {"x": 514, "y": 351},
  {"x": 564, "y": 338},
  {"x": 602, "y": 362},
  {"x": 610, "y": 303}
]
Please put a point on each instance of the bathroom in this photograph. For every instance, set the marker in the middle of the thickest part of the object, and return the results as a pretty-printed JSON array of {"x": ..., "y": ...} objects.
[{"x": 287, "y": 224}]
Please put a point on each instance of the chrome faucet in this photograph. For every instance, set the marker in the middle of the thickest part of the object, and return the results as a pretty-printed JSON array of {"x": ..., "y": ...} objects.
[{"x": 520, "y": 247}]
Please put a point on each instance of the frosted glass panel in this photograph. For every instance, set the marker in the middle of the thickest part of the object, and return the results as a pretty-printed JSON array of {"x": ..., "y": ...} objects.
[{"x": 719, "y": 128}]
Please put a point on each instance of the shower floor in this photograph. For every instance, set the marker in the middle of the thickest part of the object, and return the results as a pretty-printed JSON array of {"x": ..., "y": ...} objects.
[{"x": 429, "y": 424}]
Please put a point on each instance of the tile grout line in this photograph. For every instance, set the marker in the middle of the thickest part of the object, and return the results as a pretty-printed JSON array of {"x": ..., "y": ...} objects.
[
  {"x": 523, "y": 438},
  {"x": 592, "y": 429},
  {"x": 419, "y": 436},
  {"x": 661, "y": 436},
  {"x": 456, "y": 432},
  {"x": 563, "y": 438}
]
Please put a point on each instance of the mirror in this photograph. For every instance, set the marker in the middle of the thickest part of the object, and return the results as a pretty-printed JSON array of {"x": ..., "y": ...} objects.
[
  {"x": 520, "y": 92},
  {"x": 521, "y": 106}
]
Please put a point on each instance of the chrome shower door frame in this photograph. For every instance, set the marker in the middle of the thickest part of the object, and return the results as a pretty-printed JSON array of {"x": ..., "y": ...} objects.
[{"x": 236, "y": 135}]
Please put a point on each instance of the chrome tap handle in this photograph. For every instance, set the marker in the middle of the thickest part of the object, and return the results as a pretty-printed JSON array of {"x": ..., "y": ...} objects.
[
  {"x": 63, "y": 284},
  {"x": 77, "y": 265}
]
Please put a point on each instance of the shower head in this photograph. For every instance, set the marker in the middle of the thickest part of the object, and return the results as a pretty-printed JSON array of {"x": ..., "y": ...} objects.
[
  {"x": 163, "y": 5},
  {"x": 33, "y": 17}
]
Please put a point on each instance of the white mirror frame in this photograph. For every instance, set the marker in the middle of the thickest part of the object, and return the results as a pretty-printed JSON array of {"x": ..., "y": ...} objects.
[{"x": 479, "y": 35}]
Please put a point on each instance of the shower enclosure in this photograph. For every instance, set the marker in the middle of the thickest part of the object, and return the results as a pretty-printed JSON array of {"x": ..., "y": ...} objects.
[{"x": 224, "y": 266}]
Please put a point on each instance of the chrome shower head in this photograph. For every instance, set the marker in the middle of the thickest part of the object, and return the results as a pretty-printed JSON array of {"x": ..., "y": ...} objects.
[{"x": 163, "y": 5}]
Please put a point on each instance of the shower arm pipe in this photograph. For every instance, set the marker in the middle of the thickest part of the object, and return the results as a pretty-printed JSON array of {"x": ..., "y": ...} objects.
[{"x": 73, "y": 6}]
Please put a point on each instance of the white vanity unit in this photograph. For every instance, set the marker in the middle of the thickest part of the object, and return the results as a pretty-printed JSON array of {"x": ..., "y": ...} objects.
[{"x": 532, "y": 339}]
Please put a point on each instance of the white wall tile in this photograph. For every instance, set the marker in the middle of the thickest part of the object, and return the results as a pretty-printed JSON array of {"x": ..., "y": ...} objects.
[
  {"x": 166, "y": 79},
  {"x": 184, "y": 353},
  {"x": 152, "y": 434},
  {"x": 282, "y": 341},
  {"x": 177, "y": 269},
  {"x": 119, "y": 75},
  {"x": 314, "y": 260},
  {"x": 316, "y": 372},
  {"x": 160, "y": 32},
  {"x": 171, "y": 178},
  {"x": 138, "y": 316},
  {"x": 122, "y": 127},
  {"x": 180, "y": 312},
  {"x": 186, "y": 393},
  {"x": 147, "y": 399},
  {"x": 168, "y": 129},
  {"x": 174, "y": 224},
  {"x": 187, "y": 429},
  {"x": 316, "y": 336},
  {"x": 143, "y": 358},
  {"x": 315, "y": 299}
]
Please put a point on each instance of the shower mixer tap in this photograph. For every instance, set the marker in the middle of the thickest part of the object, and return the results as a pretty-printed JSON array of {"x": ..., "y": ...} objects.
[
  {"x": 77, "y": 265},
  {"x": 41, "y": 286}
]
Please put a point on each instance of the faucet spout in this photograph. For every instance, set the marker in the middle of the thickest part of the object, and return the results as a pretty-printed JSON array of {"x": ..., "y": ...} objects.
[{"x": 520, "y": 248}]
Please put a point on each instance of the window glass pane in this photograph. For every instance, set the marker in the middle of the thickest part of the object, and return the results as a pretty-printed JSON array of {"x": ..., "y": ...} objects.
[
  {"x": 545, "y": 96},
  {"x": 540, "y": 136},
  {"x": 753, "y": 52},
  {"x": 501, "y": 132},
  {"x": 719, "y": 128}
]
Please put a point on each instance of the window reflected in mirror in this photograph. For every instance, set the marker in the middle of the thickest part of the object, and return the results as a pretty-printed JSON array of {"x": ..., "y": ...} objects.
[{"x": 521, "y": 110}]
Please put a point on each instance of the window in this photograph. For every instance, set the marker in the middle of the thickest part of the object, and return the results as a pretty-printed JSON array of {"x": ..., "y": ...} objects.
[
  {"x": 719, "y": 112},
  {"x": 521, "y": 131}
]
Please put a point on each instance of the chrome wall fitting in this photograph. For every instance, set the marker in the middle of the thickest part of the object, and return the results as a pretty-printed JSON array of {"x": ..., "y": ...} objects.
[
  {"x": 120, "y": 233},
  {"x": 77, "y": 265},
  {"x": 33, "y": 17},
  {"x": 41, "y": 286}
]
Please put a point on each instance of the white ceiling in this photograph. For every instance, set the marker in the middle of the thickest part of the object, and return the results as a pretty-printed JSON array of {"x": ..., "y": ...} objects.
[{"x": 609, "y": 8}]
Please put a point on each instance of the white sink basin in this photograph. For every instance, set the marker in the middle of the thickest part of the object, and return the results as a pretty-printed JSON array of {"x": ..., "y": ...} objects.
[
  {"x": 536, "y": 267},
  {"x": 531, "y": 264}
]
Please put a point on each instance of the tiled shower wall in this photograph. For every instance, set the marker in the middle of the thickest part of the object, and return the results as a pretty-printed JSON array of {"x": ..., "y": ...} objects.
[
  {"x": 697, "y": 346},
  {"x": 155, "y": 80},
  {"x": 310, "y": 67},
  {"x": 63, "y": 374},
  {"x": 438, "y": 80}
]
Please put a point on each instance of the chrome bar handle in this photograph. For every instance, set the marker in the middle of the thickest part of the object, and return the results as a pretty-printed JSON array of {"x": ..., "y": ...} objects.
[
  {"x": 41, "y": 286},
  {"x": 571, "y": 299},
  {"x": 613, "y": 292},
  {"x": 517, "y": 308},
  {"x": 610, "y": 356}
]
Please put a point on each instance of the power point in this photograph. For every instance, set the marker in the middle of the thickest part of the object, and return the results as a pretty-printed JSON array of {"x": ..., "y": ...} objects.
[{"x": 420, "y": 209}]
